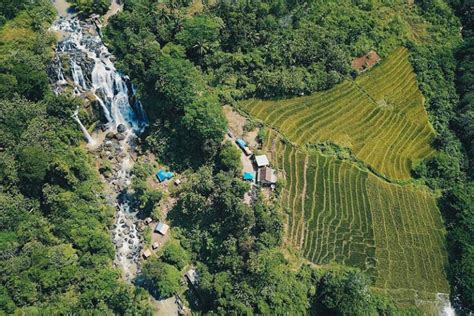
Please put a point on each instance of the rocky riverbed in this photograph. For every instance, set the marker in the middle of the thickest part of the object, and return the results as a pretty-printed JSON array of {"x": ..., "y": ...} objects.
[{"x": 111, "y": 119}]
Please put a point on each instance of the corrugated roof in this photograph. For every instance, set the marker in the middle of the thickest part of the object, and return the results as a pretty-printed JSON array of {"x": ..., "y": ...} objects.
[{"x": 262, "y": 160}]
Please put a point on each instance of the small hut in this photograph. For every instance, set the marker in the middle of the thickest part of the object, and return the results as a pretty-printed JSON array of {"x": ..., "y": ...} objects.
[
  {"x": 146, "y": 254},
  {"x": 267, "y": 176},
  {"x": 161, "y": 228},
  {"x": 262, "y": 161},
  {"x": 192, "y": 276}
]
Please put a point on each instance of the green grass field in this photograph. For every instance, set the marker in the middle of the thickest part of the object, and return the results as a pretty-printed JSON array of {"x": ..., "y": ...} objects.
[
  {"x": 380, "y": 116},
  {"x": 337, "y": 213}
]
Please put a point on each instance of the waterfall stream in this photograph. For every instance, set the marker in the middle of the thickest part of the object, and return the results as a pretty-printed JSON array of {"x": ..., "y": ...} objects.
[{"x": 83, "y": 66}]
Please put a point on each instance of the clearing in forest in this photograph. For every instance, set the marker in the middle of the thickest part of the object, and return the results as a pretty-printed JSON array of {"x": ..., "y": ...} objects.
[
  {"x": 380, "y": 116},
  {"x": 336, "y": 212}
]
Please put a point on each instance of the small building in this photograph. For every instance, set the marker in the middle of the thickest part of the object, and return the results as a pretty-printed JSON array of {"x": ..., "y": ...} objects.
[
  {"x": 248, "y": 176},
  {"x": 161, "y": 228},
  {"x": 261, "y": 161},
  {"x": 192, "y": 276},
  {"x": 164, "y": 175},
  {"x": 146, "y": 254},
  {"x": 177, "y": 182},
  {"x": 148, "y": 220},
  {"x": 266, "y": 176},
  {"x": 155, "y": 245}
]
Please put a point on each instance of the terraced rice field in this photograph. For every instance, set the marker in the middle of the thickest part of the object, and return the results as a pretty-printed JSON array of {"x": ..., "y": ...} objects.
[
  {"x": 339, "y": 213},
  {"x": 380, "y": 116}
]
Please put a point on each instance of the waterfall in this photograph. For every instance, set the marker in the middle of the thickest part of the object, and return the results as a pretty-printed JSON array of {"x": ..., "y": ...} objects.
[
  {"x": 78, "y": 76},
  {"x": 88, "y": 136},
  {"x": 94, "y": 76}
]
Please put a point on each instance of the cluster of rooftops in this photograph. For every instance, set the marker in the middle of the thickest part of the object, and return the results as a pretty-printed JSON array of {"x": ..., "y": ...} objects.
[{"x": 265, "y": 174}]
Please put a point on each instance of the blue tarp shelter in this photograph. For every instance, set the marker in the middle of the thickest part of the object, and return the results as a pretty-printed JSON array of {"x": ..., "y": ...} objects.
[
  {"x": 164, "y": 175},
  {"x": 242, "y": 144},
  {"x": 248, "y": 176}
]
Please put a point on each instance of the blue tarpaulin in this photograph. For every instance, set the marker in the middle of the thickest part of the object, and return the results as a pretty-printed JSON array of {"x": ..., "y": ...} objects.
[
  {"x": 242, "y": 144},
  {"x": 164, "y": 175},
  {"x": 248, "y": 176}
]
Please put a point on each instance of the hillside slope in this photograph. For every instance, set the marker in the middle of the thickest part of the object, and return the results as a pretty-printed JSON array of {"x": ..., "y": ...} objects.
[{"x": 379, "y": 116}]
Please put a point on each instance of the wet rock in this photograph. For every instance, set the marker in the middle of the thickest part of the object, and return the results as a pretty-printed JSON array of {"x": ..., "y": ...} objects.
[
  {"x": 121, "y": 128},
  {"x": 120, "y": 136}
]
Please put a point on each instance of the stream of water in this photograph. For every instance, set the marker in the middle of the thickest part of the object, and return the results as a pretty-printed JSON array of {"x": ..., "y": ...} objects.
[{"x": 83, "y": 65}]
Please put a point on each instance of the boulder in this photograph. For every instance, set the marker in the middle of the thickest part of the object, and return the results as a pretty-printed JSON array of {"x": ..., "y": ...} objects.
[
  {"x": 109, "y": 135},
  {"x": 120, "y": 136},
  {"x": 121, "y": 128}
]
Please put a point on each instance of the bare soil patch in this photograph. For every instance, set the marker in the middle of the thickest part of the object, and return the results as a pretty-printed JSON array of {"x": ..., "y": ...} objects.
[{"x": 366, "y": 61}]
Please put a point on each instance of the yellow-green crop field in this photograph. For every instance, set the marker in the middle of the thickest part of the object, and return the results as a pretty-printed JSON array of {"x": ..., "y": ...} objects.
[
  {"x": 339, "y": 211},
  {"x": 380, "y": 116}
]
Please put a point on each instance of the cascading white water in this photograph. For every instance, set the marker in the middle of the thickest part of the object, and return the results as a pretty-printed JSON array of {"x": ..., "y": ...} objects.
[
  {"x": 445, "y": 308},
  {"x": 88, "y": 136},
  {"x": 94, "y": 75},
  {"x": 106, "y": 84}
]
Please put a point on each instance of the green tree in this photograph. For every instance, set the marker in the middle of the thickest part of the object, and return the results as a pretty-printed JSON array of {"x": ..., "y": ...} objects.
[
  {"x": 33, "y": 164},
  {"x": 161, "y": 279},
  {"x": 175, "y": 255},
  {"x": 200, "y": 34},
  {"x": 229, "y": 158},
  {"x": 344, "y": 293},
  {"x": 89, "y": 7}
]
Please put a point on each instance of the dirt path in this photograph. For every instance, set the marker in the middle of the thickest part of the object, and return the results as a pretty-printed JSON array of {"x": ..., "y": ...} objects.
[
  {"x": 115, "y": 8},
  {"x": 62, "y": 6}
]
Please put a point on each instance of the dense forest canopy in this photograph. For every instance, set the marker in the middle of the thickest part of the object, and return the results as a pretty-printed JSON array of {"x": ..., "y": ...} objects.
[
  {"x": 188, "y": 60},
  {"x": 54, "y": 242}
]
